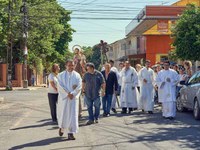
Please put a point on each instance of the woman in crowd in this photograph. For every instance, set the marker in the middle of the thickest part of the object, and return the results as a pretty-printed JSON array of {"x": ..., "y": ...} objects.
[{"x": 52, "y": 91}]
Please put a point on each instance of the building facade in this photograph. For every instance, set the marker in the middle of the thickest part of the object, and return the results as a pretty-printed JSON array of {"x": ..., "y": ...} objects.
[{"x": 148, "y": 35}]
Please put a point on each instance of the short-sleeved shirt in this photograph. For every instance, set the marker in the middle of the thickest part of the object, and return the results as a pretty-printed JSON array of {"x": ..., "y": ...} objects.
[
  {"x": 52, "y": 77},
  {"x": 93, "y": 84}
]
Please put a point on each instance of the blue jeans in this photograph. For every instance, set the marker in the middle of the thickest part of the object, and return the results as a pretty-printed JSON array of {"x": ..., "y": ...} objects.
[
  {"x": 107, "y": 101},
  {"x": 90, "y": 103}
]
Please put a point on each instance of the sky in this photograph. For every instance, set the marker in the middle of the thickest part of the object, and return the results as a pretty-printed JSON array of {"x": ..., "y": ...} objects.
[{"x": 110, "y": 17}]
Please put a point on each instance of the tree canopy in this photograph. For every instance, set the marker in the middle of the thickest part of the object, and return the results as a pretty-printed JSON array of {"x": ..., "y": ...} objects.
[
  {"x": 49, "y": 32},
  {"x": 186, "y": 34}
]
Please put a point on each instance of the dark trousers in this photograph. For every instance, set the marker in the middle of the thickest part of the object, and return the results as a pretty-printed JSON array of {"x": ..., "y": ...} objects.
[
  {"x": 53, "y": 99},
  {"x": 97, "y": 104},
  {"x": 107, "y": 101}
]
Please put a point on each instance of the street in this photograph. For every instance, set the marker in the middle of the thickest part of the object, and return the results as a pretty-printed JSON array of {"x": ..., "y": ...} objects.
[{"x": 25, "y": 124}]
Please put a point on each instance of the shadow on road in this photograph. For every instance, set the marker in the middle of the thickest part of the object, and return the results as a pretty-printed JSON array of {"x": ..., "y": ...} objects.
[
  {"x": 183, "y": 129},
  {"x": 48, "y": 123},
  {"x": 40, "y": 143}
]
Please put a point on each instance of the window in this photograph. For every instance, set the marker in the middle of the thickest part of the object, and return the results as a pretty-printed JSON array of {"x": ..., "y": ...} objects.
[
  {"x": 193, "y": 79},
  {"x": 197, "y": 79},
  {"x": 163, "y": 58}
]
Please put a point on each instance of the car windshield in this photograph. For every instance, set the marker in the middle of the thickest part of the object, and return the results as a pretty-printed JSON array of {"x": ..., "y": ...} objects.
[{"x": 195, "y": 78}]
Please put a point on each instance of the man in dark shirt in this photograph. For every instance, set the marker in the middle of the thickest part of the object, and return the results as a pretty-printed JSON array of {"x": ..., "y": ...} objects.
[
  {"x": 111, "y": 85},
  {"x": 93, "y": 81}
]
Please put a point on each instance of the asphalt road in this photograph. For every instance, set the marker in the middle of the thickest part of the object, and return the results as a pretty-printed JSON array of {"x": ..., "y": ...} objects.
[{"x": 25, "y": 124}]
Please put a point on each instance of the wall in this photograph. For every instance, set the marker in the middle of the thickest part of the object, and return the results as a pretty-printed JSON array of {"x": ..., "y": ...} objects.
[
  {"x": 3, "y": 75},
  {"x": 157, "y": 45}
]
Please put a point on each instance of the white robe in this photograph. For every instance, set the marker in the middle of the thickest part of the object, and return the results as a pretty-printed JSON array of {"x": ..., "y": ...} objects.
[
  {"x": 146, "y": 101},
  {"x": 67, "y": 108},
  {"x": 167, "y": 91},
  {"x": 129, "y": 92}
]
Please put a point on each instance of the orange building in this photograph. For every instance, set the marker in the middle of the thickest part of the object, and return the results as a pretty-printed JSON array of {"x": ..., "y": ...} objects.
[{"x": 152, "y": 27}]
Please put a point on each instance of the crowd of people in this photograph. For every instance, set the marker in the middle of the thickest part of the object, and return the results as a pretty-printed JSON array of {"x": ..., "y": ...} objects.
[{"x": 127, "y": 88}]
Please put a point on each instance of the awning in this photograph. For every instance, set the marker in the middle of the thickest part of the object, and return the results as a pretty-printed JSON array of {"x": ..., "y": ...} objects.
[{"x": 149, "y": 16}]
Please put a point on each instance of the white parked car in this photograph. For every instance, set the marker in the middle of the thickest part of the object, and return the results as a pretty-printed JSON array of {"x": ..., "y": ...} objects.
[{"x": 189, "y": 96}]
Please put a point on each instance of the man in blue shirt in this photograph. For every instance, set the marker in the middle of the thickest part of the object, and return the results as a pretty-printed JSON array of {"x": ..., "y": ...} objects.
[
  {"x": 93, "y": 81},
  {"x": 111, "y": 85}
]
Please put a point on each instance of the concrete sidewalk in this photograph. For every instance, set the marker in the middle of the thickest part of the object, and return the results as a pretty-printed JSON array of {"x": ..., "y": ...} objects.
[{"x": 23, "y": 89}]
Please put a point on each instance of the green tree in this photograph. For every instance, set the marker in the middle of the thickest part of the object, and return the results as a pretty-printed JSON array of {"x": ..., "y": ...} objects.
[
  {"x": 49, "y": 32},
  {"x": 186, "y": 34},
  {"x": 88, "y": 52}
]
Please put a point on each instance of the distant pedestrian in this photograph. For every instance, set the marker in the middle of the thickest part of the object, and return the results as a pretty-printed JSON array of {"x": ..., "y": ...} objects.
[
  {"x": 182, "y": 77},
  {"x": 114, "y": 98},
  {"x": 33, "y": 79},
  {"x": 129, "y": 92},
  {"x": 188, "y": 69},
  {"x": 69, "y": 88},
  {"x": 198, "y": 68},
  {"x": 175, "y": 67},
  {"x": 111, "y": 89},
  {"x": 53, "y": 92},
  {"x": 121, "y": 66},
  {"x": 93, "y": 81},
  {"x": 138, "y": 68},
  {"x": 147, "y": 80},
  {"x": 167, "y": 80}
]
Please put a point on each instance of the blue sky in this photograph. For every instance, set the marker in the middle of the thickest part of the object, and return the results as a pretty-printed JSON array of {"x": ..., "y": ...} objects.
[{"x": 90, "y": 32}]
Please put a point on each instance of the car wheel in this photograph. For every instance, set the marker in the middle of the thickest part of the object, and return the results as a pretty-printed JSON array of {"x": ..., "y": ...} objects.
[
  {"x": 196, "y": 110},
  {"x": 179, "y": 105}
]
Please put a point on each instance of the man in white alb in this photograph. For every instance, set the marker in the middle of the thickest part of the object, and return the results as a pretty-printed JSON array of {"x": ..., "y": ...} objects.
[
  {"x": 166, "y": 81},
  {"x": 129, "y": 91},
  {"x": 147, "y": 80},
  {"x": 69, "y": 89}
]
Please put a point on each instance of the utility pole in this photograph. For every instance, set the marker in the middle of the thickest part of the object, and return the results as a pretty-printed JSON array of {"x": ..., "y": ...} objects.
[
  {"x": 24, "y": 10},
  {"x": 9, "y": 48}
]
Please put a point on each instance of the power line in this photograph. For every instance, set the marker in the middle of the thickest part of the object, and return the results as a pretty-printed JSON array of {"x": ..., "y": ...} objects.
[{"x": 112, "y": 6}]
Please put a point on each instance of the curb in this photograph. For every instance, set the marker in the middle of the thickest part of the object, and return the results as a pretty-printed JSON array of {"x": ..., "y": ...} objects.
[
  {"x": 28, "y": 89},
  {"x": 1, "y": 99}
]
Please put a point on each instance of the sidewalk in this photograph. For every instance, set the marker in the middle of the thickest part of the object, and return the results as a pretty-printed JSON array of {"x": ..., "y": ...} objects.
[{"x": 24, "y": 89}]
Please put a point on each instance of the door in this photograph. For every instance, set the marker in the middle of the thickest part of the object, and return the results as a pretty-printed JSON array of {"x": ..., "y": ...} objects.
[{"x": 192, "y": 90}]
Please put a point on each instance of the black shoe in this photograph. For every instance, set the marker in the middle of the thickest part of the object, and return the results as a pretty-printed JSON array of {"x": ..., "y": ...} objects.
[
  {"x": 171, "y": 118},
  {"x": 129, "y": 111},
  {"x": 71, "y": 136},
  {"x": 123, "y": 112},
  {"x": 90, "y": 122},
  {"x": 142, "y": 110},
  {"x": 60, "y": 132},
  {"x": 134, "y": 108},
  {"x": 54, "y": 122},
  {"x": 114, "y": 110},
  {"x": 104, "y": 115},
  {"x": 150, "y": 112}
]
